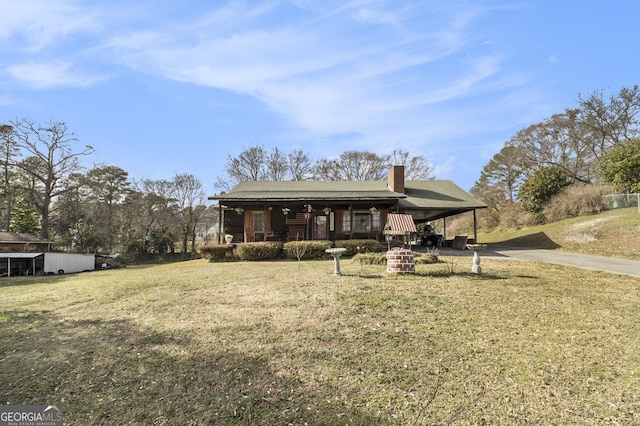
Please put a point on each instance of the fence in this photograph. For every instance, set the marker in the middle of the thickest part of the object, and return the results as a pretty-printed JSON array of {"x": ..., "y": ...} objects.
[{"x": 620, "y": 201}]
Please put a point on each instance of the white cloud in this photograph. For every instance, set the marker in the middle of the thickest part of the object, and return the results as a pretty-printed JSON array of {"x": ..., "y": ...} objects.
[
  {"x": 47, "y": 75},
  {"x": 444, "y": 168},
  {"x": 376, "y": 70},
  {"x": 34, "y": 24},
  {"x": 323, "y": 75}
]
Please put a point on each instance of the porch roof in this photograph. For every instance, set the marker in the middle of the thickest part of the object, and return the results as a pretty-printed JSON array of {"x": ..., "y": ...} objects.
[{"x": 434, "y": 199}]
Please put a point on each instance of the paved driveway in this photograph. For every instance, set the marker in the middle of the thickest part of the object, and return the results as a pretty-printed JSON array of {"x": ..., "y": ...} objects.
[{"x": 613, "y": 265}]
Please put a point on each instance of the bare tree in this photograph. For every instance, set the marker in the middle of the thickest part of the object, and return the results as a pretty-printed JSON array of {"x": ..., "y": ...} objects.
[
  {"x": 611, "y": 121},
  {"x": 249, "y": 165},
  {"x": 559, "y": 141},
  {"x": 300, "y": 166},
  {"x": 52, "y": 159},
  {"x": 416, "y": 167},
  {"x": 256, "y": 163},
  {"x": 188, "y": 195},
  {"x": 353, "y": 166},
  {"x": 275, "y": 165}
]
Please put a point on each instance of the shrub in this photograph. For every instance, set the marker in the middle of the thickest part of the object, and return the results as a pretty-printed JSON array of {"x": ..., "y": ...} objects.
[
  {"x": 263, "y": 250},
  {"x": 426, "y": 258},
  {"x": 574, "y": 201},
  {"x": 381, "y": 259},
  {"x": 513, "y": 216},
  {"x": 360, "y": 246},
  {"x": 306, "y": 250},
  {"x": 214, "y": 251},
  {"x": 370, "y": 259},
  {"x": 460, "y": 224},
  {"x": 540, "y": 187}
]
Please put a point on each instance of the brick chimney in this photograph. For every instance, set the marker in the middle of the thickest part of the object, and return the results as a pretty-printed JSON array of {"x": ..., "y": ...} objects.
[{"x": 396, "y": 179}]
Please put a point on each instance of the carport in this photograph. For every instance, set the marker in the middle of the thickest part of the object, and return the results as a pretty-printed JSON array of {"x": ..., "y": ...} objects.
[{"x": 16, "y": 264}]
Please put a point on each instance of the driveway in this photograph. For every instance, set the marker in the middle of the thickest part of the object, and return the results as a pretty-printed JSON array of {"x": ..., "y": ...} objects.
[{"x": 614, "y": 265}]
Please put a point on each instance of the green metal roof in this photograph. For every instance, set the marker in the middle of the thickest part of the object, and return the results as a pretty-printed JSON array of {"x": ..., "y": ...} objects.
[
  {"x": 308, "y": 190},
  {"x": 424, "y": 200},
  {"x": 434, "y": 194}
]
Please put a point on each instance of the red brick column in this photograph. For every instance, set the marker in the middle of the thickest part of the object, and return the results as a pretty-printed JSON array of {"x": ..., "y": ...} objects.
[{"x": 400, "y": 261}]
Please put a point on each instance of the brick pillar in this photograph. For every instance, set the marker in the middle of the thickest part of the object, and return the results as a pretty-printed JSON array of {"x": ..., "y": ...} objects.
[{"x": 400, "y": 261}]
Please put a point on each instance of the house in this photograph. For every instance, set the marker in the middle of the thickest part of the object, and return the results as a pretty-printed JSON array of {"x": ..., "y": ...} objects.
[
  {"x": 335, "y": 210},
  {"x": 21, "y": 242}
]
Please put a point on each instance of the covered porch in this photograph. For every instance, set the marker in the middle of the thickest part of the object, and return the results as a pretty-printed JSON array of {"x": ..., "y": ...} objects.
[{"x": 334, "y": 210}]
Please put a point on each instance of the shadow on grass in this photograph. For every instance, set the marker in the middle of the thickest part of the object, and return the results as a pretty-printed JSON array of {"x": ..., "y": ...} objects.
[
  {"x": 538, "y": 240},
  {"x": 470, "y": 275},
  {"x": 117, "y": 372},
  {"x": 30, "y": 280}
]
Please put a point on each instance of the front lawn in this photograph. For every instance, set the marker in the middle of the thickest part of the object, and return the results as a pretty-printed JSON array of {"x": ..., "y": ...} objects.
[{"x": 287, "y": 342}]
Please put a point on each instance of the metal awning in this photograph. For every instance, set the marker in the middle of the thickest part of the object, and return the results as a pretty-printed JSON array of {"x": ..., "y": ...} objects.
[
  {"x": 19, "y": 255},
  {"x": 399, "y": 224}
]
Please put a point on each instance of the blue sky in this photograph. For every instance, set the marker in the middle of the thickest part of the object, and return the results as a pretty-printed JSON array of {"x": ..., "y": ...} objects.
[{"x": 161, "y": 87}]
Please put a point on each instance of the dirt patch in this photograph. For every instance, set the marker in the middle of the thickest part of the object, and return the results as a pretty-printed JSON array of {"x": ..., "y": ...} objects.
[
  {"x": 587, "y": 231},
  {"x": 590, "y": 223},
  {"x": 582, "y": 237}
]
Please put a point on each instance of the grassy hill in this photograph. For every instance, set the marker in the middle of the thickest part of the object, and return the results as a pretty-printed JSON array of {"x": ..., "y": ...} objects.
[{"x": 611, "y": 233}]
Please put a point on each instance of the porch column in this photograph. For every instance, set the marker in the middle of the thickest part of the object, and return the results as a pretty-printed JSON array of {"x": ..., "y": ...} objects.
[
  {"x": 265, "y": 211},
  {"x": 444, "y": 229},
  {"x": 475, "y": 228},
  {"x": 220, "y": 221}
]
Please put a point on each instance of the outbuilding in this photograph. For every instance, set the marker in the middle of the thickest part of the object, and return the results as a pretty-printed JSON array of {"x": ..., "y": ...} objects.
[{"x": 44, "y": 263}]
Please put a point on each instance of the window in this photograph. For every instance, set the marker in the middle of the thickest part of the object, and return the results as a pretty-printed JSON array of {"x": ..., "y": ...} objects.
[
  {"x": 320, "y": 227},
  {"x": 362, "y": 221},
  {"x": 375, "y": 218},
  {"x": 257, "y": 221},
  {"x": 346, "y": 221}
]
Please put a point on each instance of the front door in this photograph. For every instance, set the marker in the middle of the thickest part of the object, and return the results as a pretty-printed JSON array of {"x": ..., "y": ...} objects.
[{"x": 320, "y": 227}]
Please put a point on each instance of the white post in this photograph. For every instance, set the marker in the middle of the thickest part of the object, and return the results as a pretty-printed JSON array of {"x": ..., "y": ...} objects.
[{"x": 476, "y": 268}]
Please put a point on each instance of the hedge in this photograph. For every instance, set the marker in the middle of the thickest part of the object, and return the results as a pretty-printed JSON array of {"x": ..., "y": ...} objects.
[
  {"x": 307, "y": 250},
  {"x": 215, "y": 251},
  {"x": 370, "y": 259},
  {"x": 264, "y": 250},
  {"x": 380, "y": 258},
  {"x": 361, "y": 246}
]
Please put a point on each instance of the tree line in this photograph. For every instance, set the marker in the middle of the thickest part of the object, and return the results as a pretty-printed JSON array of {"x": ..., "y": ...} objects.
[
  {"x": 596, "y": 142},
  {"x": 47, "y": 191},
  {"x": 258, "y": 163}
]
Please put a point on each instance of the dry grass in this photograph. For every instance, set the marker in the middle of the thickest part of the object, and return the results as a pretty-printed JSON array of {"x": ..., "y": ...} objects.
[
  {"x": 289, "y": 343},
  {"x": 613, "y": 233}
]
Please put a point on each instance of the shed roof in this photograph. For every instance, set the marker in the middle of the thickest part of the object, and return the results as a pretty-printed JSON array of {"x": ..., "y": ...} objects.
[
  {"x": 21, "y": 238},
  {"x": 399, "y": 224}
]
